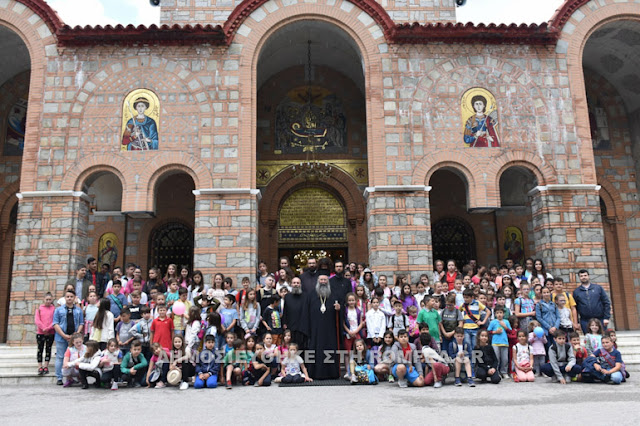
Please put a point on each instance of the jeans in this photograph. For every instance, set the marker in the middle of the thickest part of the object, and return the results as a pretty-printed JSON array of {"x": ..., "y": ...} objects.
[
  {"x": 445, "y": 346},
  {"x": 616, "y": 377},
  {"x": 61, "y": 348},
  {"x": 547, "y": 369},
  {"x": 502, "y": 355},
  {"x": 210, "y": 383},
  {"x": 470, "y": 337}
]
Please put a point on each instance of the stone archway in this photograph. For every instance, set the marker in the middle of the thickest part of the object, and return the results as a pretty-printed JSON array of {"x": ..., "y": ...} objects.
[{"x": 339, "y": 184}]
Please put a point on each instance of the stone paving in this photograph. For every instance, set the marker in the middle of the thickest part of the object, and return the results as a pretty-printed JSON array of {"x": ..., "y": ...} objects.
[{"x": 533, "y": 403}]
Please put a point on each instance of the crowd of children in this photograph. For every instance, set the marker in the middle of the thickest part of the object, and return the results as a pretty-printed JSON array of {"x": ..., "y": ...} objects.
[{"x": 489, "y": 324}]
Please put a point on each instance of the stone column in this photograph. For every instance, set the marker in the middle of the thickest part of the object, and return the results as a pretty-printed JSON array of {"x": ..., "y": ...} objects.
[
  {"x": 226, "y": 233},
  {"x": 51, "y": 240},
  {"x": 568, "y": 232},
  {"x": 399, "y": 224}
]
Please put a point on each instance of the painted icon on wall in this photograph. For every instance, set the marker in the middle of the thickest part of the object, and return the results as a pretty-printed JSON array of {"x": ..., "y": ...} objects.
[
  {"x": 514, "y": 244},
  {"x": 16, "y": 125},
  {"x": 480, "y": 118},
  {"x": 140, "y": 118},
  {"x": 108, "y": 249}
]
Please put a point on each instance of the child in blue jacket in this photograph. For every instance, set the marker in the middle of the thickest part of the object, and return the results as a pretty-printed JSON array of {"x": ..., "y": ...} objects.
[{"x": 207, "y": 368}]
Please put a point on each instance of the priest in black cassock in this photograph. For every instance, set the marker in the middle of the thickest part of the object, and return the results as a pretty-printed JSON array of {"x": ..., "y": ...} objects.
[
  {"x": 323, "y": 310},
  {"x": 294, "y": 316}
]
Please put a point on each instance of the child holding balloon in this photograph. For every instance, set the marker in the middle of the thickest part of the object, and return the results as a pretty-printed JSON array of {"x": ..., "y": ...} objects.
[
  {"x": 180, "y": 311},
  {"x": 537, "y": 340}
]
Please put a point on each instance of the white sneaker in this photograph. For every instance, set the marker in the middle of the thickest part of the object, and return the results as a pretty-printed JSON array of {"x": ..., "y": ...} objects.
[
  {"x": 114, "y": 386},
  {"x": 403, "y": 383},
  {"x": 184, "y": 386},
  {"x": 437, "y": 385},
  {"x": 347, "y": 376},
  {"x": 354, "y": 379}
]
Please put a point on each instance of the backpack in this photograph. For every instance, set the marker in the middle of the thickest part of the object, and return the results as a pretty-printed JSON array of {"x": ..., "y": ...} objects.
[{"x": 203, "y": 329}]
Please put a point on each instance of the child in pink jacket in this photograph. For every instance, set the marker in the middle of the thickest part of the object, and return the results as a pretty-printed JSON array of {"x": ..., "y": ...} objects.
[{"x": 45, "y": 332}]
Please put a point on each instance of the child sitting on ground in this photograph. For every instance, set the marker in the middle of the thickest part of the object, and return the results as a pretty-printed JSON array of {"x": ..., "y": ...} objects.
[
  {"x": 207, "y": 368},
  {"x": 605, "y": 364},
  {"x": 89, "y": 364},
  {"x": 360, "y": 363},
  {"x": 71, "y": 358},
  {"x": 294, "y": 368},
  {"x": 258, "y": 373},
  {"x": 112, "y": 357},
  {"x": 523, "y": 359},
  {"x": 235, "y": 363},
  {"x": 562, "y": 361},
  {"x": 407, "y": 367},
  {"x": 134, "y": 366},
  {"x": 462, "y": 352},
  {"x": 487, "y": 364}
]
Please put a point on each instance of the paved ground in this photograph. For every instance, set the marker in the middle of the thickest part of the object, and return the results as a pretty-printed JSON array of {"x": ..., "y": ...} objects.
[{"x": 532, "y": 403}]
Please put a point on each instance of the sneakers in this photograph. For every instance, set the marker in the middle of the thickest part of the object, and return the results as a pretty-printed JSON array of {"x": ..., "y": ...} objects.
[
  {"x": 40, "y": 371},
  {"x": 391, "y": 379},
  {"x": 59, "y": 382},
  {"x": 471, "y": 383},
  {"x": 347, "y": 376},
  {"x": 67, "y": 383},
  {"x": 184, "y": 386},
  {"x": 85, "y": 386},
  {"x": 403, "y": 383},
  {"x": 256, "y": 385},
  {"x": 458, "y": 382},
  {"x": 160, "y": 385},
  {"x": 229, "y": 386},
  {"x": 138, "y": 385},
  {"x": 114, "y": 386},
  {"x": 437, "y": 385},
  {"x": 46, "y": 370},
  {"x": 354, "y": 380}
]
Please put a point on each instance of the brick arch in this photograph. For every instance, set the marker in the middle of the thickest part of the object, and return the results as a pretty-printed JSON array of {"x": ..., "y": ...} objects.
[
  {"x": 113, "y": 69},
  {"x": 585, "y": 21},
  {"x": 37, "y": 35},
  {"x": 339, "y": 184},
  {"x": 8, "y": 199},
  {"x": 542, "y": 170},
  {"x": 460, "y": 162},
  {"x": 172, "y": 161},
  {"x": 247, "y": 7},
  {"x": 80, "y": 171},
  {"x": 364, "y": 31},
  {"x": 617, "y": 248}
]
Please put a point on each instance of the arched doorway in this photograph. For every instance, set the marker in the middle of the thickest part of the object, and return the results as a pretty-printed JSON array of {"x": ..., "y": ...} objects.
[
  {"x": 311, "y": 141},
  {"x": 170, "y": 237},
  {"x": 15, "y": 73},
  {"x": 514, "y": 223},
  {"x": 453, "y": 238},
  {"x": 610, "y": 62},
  {"x": 312, "y": 220},
  {"x": 171, "y": 243}
]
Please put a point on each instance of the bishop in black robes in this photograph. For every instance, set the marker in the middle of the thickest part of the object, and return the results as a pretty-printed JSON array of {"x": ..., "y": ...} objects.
[{"x": 323, "y": 310}]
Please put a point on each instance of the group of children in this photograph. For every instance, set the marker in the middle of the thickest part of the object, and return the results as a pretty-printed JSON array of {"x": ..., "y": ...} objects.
[{"x": 177, "y": 331}]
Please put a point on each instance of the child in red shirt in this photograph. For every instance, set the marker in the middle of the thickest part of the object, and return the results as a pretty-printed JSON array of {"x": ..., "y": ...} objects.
[{"x": 162, "y": 329}]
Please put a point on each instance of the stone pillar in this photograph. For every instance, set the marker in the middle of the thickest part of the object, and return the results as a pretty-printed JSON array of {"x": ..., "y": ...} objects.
[
  {"x": 51, "y": 240},
  {"x": 226, "y": 233},
  {"x": 568, "y": 232},
  {"x": 399, "y": 223}
]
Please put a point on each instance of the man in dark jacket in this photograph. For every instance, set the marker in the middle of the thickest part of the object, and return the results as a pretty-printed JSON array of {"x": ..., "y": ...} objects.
[
  {"x": 591, "y": 301},
  {"x": 96, "y": 278}
]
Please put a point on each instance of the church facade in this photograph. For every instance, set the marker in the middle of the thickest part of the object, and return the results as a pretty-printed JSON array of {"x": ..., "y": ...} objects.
[{"x": 243, "y": 131}]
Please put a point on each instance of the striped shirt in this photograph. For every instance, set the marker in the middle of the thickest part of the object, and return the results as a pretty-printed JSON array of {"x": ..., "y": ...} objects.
[{"x": 474, "y": 308}]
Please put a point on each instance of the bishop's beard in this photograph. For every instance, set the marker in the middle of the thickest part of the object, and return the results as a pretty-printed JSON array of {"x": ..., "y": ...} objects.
[
  {"x": 296, "y": 290},
  {"x": 323, "y": 290}
]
